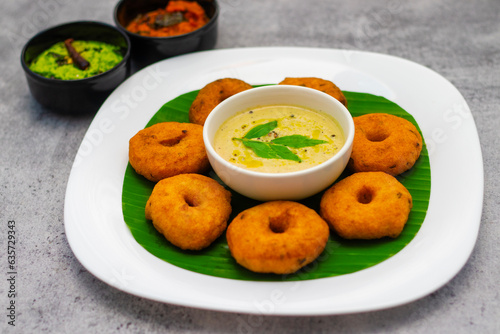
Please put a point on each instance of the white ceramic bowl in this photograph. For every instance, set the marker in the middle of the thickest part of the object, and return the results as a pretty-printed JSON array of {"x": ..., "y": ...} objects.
[{"x": 279, "y": 186}]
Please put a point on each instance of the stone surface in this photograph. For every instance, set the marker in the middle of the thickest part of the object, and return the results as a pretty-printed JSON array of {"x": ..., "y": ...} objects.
[{"x": 55, "y": 294}]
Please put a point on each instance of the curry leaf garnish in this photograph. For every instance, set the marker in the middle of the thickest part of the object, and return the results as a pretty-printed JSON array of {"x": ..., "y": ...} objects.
[
  {"x": 260, "y": 148},
  {"x": 284, "y": 152},
  {"x": 298, "y": 141},
  {"x": 276, "y": 148},
  {"x": 261, "y": 130}
]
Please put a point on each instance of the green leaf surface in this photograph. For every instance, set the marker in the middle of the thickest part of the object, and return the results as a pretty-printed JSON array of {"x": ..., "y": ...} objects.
[
  {"x": 297, "y": 141},
  {"x": 284, "y": 152},
  {"x": 276, "y": 148},
  {"x": 340, "y": 256},
  {"x": 261, "y": 149},
  {"x": 261, "y": 130},
  {"x": 269, "y": 150}
]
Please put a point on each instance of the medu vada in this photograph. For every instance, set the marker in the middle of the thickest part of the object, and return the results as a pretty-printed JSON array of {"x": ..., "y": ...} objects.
[
  {"x": 384, "y": 142},
  {"x": 190, "y": 210},
  {"x": 277, "y": 237},
  {"x": 167, "y": 149},
  {"x": 323, "y": 85},
  {"x": 213, "y": 94},
  {"x": 367, "y": 205}
]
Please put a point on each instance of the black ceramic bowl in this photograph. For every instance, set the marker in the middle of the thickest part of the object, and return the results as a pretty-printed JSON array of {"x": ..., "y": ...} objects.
[
  {"x": 147, "y": 50},
  {"x": 82, "y": 95}
]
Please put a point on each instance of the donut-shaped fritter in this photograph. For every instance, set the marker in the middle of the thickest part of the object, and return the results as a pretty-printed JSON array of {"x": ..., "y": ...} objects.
[
  {"x": 323, "y": 85},
  {"x": 167, "y": 149},
  {"x": 385, "y": 143},
  {"x": 190, "y": 210},
  {"x": 277, "y": 237},
  {"x": 213, "y": 94},
  {"x": 369, "y": 205}
]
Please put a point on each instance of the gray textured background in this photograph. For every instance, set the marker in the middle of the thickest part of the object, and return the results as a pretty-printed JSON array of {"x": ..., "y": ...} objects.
[{"x": 458, "y": 39}]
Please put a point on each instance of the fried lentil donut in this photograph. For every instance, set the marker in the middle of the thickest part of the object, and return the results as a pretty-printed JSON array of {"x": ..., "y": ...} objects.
[
  {"x": 384, "y": 142},
  {"x": 167, "y": 149},
  {"x": 277, "y": 237},
  {"x": 213, "y": 94},
  {"x": 325, "y": 86},
  {"x": 190, "y": 210},
  {"x": 367, "y": 205}
]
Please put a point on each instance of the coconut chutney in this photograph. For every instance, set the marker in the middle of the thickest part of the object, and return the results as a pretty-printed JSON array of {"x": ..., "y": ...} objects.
[{"x": 290, "y": 121}]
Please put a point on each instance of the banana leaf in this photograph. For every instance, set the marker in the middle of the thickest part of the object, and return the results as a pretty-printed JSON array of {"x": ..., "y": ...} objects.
[{"x": 340, "y": 256}]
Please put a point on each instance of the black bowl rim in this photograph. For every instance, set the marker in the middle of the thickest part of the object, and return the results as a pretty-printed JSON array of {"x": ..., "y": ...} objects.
[
  {"x": 200, "y": 30},
  {"x": 27, "y": 70}
]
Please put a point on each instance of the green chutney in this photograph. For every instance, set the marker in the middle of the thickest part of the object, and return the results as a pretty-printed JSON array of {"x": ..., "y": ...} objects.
[{"x": 56, "y": 63}]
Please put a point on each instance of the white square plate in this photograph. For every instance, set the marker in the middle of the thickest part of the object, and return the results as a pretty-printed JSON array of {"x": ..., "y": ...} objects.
[{"x": 102, "y": 242}]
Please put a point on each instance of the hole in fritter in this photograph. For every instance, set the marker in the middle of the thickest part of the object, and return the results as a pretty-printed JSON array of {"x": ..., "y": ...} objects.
[
  {"x": 191, "y": 201},
  {"x": 377, "y": 135},
  {"x": 173, "y": 141},
  {"x": 279, "y": 224},
  {"x": 365, "y": 196}
]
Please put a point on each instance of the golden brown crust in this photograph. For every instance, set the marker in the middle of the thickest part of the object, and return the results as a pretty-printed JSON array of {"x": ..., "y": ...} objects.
[
  {"x": 213, "y": 94},
  {"x": 190, "y": 210},
  {"x": 384, "y": 142},
  {"x": 323, "y": 85},
  {"x": 367, "y": 205},
  {"x": 277, "y": 237},
  {"x": 168, "y": 149}
]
